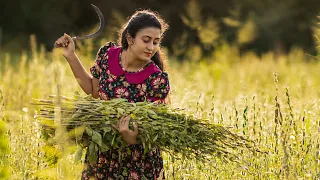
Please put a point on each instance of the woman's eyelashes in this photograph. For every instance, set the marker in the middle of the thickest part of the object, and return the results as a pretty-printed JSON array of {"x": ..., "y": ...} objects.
[{"x": 147, "y": 41}]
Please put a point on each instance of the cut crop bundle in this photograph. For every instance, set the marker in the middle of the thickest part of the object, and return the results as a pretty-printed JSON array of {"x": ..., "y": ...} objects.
[{"x": 90, "y": 121}]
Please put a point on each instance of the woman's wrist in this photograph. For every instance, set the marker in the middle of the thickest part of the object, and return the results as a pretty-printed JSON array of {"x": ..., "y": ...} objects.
[
  {"x": 133, "y": 143},
  {"x": 70, "y": 56},
  {"x": 130, "y": 140}
]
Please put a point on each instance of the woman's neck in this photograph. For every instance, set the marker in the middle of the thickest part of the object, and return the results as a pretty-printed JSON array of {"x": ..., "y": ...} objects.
[{"x": 130, "y": 62}]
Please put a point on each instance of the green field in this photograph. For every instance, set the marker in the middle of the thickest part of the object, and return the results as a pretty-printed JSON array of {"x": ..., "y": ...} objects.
[{"x": 272, "y": 99}]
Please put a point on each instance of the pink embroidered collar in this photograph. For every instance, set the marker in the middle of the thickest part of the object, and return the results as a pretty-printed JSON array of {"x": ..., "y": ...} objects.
[{"x": 132, "y": 77}]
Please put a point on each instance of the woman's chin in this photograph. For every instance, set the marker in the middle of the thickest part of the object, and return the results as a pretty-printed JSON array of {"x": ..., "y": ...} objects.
[{"x": 145, "y": 58}]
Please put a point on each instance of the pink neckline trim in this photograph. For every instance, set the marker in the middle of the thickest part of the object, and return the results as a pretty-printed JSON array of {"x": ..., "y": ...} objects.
[{"x": 132, "y": 77}]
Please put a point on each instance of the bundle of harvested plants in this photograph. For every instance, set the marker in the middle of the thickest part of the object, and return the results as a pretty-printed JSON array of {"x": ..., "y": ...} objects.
[{"x": 89, "y": 121}]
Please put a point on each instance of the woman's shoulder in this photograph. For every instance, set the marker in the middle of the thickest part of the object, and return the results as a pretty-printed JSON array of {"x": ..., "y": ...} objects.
[
  {"x": 159, "y": 79},
  {"x": 109, "y": 49},
  {"x": 106, "y": 47},
  {"x": 158, "y": 86},
  {"x": 159, "y": 74},
  {"x": 101, "y": 62}
]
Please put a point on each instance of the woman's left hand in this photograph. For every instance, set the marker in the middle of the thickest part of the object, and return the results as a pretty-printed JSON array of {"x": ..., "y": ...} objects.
[{"x": 129, "y": 136}]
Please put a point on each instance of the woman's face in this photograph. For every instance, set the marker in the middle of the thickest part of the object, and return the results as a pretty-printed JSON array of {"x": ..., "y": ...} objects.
[{"x": 146, "y": 43}]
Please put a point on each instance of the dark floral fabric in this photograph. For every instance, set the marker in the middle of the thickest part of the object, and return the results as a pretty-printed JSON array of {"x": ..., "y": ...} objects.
[
  {"x": 151, "y": 85},
  {"x": 129, "y": 164}
]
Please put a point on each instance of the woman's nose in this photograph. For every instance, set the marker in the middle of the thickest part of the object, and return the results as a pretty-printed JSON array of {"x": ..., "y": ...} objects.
[{"x": 150, "y": 47}]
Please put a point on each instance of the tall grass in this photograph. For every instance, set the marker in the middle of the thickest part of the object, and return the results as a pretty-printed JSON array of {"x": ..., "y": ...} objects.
[
  {"x": 273, "y": 100},
  {"x": 4, "y": 170}
]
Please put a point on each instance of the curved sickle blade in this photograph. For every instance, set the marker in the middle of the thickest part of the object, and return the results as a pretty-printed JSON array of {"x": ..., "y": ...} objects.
[{"x": 102, "y": 24}]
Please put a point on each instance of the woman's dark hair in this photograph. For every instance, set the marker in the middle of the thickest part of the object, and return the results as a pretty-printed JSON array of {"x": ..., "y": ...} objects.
[{"x": 140, "y": 20}]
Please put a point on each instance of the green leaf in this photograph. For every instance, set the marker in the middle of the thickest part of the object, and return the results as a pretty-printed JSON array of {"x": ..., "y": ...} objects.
[
  {"x": 96, "y": 137},
  {"x": 78, "y": 154},
  {"x": 91, "y": 147},
  {"x": 145, "y": 148},
  {"x": 89, "y": 131},
  {"x": 106, "y": 130},
  {"x": 120, "y": 111},
  {"x": 93, "y": 153},
  {"x": 149, "y": 145},
  {"x": 114, "y": 137},
  {"x": 151, "y": 112},
  {"x": 77, "y": 132},
  {"x": 155, "y": 138},
  {"x": 104, "y": 148}
]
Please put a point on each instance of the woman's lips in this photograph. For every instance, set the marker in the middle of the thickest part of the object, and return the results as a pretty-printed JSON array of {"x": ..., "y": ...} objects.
[{"x": 148, "y": 54}]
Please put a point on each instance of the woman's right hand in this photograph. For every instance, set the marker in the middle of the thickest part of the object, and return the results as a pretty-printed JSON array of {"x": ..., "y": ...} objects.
[
  {"x": 66, "y": 43},
  {"x": 129, "y": 136}
]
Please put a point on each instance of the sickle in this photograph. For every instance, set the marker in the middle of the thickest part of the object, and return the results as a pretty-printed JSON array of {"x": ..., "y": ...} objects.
[{"x": 102, "y": 24}]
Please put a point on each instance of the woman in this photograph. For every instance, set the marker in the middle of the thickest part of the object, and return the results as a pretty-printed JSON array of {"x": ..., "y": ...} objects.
[{"x": 133, "y": 71}]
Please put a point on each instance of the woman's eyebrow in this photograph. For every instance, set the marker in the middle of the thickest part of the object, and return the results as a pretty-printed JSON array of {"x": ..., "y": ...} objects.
[{"x": 150, "y": 37}]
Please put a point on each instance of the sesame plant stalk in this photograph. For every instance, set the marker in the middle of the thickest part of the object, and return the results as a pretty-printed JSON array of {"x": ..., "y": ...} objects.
[{"x": 89, "y": 121}]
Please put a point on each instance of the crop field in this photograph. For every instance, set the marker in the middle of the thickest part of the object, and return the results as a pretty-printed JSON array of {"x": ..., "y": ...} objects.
[{"x": 272, "y": 99}]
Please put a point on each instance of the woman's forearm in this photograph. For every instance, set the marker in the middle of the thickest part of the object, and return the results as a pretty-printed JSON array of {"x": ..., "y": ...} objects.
[{"x": 83, "y": 77}]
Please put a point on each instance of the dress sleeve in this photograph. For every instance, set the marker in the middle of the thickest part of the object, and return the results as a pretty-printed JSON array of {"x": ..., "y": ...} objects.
[
  {"x": 101, "y": 61},
  {"x": 158, "y": 87}
]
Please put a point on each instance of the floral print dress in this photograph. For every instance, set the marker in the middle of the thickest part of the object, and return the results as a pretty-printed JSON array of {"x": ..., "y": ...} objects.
[{"x": 149, "y": 84}]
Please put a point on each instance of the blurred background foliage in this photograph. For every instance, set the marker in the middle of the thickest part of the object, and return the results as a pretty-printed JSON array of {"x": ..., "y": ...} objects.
[{"x": 197, "y": 27}]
